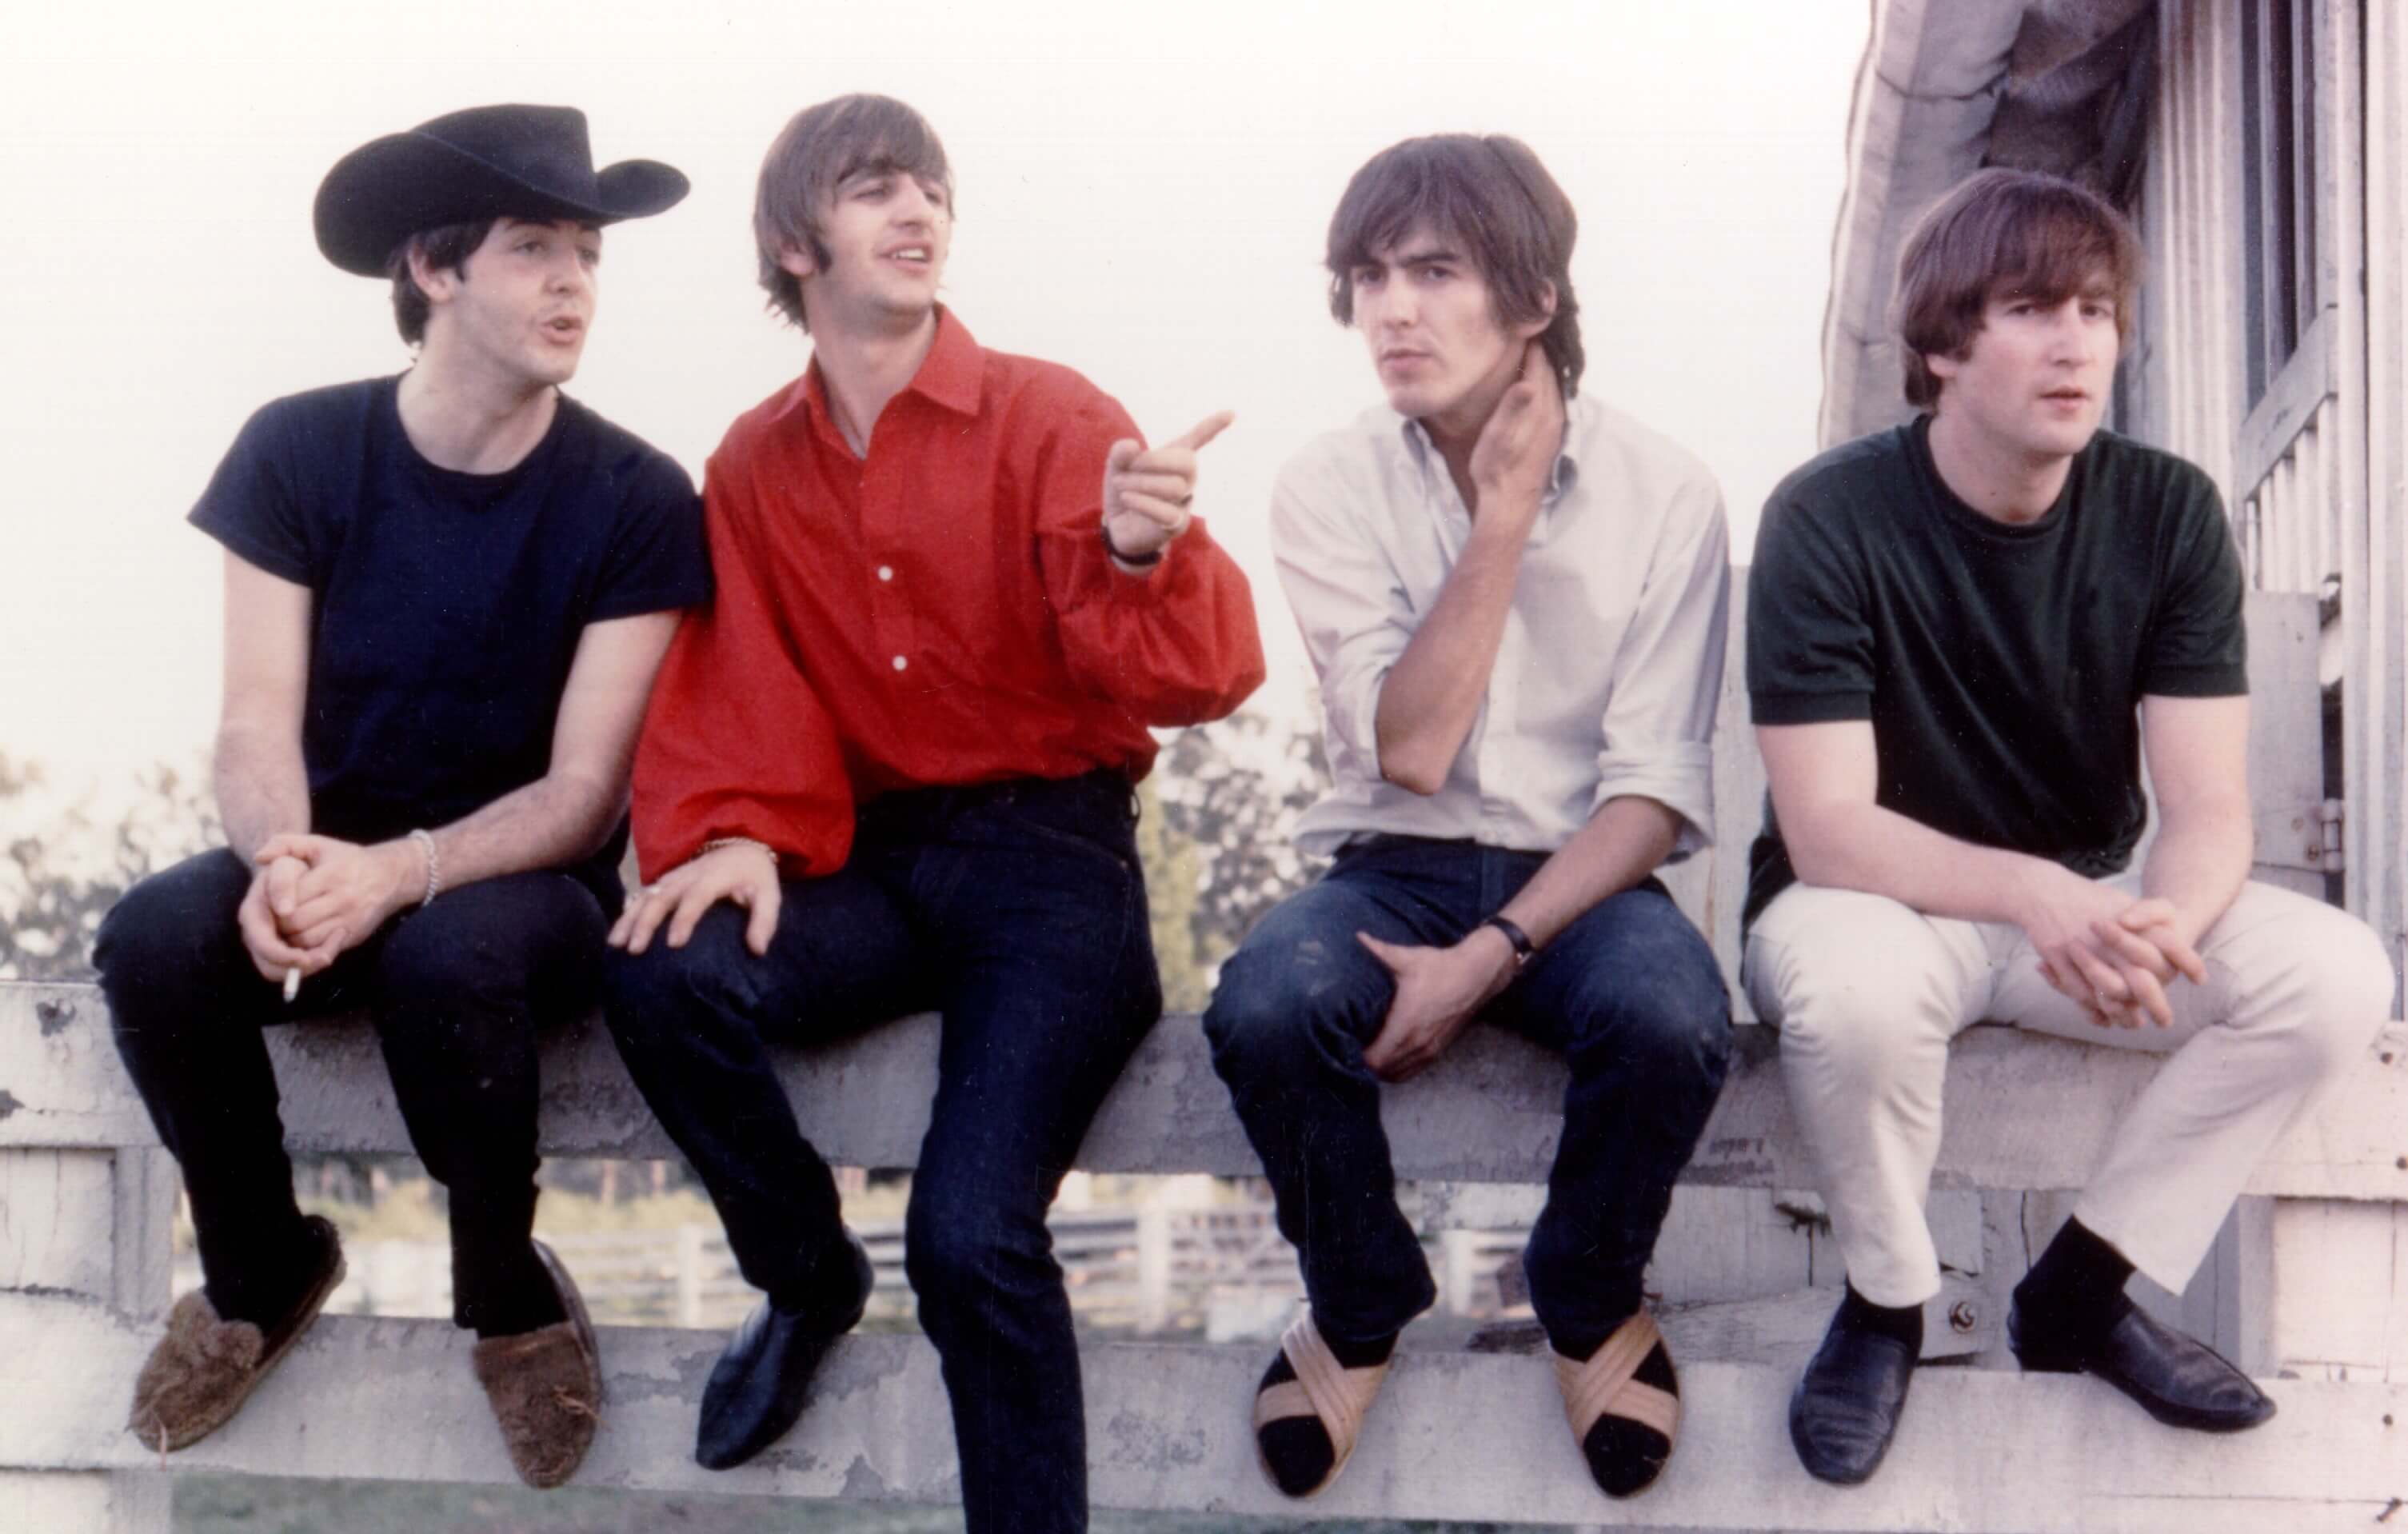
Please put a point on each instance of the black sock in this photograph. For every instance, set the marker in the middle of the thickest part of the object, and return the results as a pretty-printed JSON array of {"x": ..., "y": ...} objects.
[
  {"x": 1624, "y": 1456},
  {"x": 826, "y": 1292},
  {"x": 522, "y": 1299},
  {"x": 2077, "y": 1285},
  {"x": 1902, "y": 1322},
  {"x": 1297, "y": 1450},
  {"x": 265, "y": 1289}
]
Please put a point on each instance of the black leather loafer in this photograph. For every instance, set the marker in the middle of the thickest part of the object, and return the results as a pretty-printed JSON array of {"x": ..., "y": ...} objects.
[
  {"x": 755, "y": 1391},
  {"x": 1848, "y": 1401},
  {"x": 2178, "y": 1380}
]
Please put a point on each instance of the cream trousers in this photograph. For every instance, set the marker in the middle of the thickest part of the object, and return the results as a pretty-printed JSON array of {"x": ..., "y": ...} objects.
[{"x": 1868, "y": 992}]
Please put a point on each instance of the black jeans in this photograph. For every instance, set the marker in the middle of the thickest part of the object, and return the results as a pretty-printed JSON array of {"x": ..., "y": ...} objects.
[
  {"x": 1018, "y": 910},
  {"x": 1628, "y": 993},
  {"x": 457, "y": 989}
]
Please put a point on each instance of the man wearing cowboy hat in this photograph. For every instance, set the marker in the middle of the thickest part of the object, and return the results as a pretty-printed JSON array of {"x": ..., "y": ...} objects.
[{"x": 445, "y": 594}]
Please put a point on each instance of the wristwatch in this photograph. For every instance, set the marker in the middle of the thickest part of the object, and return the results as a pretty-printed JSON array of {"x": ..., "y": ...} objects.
[{"x": 1523, "y": 948}]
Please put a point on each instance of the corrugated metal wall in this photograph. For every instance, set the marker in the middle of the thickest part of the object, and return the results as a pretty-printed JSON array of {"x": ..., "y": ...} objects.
[{"x": 2315, "y": 472}]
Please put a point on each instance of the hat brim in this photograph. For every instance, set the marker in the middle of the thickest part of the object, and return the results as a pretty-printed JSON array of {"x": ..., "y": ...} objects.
[{"x": 388, "y": 190}]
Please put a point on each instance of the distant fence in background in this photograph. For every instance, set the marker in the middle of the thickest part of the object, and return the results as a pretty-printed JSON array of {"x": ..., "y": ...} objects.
[{"x": 1146, "y": 1269}]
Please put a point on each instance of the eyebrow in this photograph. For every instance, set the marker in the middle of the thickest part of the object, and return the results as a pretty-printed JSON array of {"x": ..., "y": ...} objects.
[{"x": 1429, "y": 255}]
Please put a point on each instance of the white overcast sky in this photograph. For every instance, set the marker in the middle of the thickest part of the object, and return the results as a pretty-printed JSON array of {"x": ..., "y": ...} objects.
[{"x": 1143, "y": 190}]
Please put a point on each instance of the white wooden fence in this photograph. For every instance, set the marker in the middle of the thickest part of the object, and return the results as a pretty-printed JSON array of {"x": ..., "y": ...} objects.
[
  {"x": 2309, "y": 1288},
  {"x": 1144, "y": 1269}
]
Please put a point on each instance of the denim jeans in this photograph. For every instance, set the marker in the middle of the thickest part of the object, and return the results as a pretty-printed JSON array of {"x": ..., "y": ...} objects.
[
  {"x": 1629, "y": 993},
  {"x": 1017, "y": 911},
  {"x": 458, "y": 990}
]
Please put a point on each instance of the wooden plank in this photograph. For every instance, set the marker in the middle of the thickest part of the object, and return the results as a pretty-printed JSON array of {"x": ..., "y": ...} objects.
[
  {"x": 1456, "y": 1436},
  {"x": 2334, "y": 1298},
  {"x": 2288, "y": 410},
  {"x": 2022, "y": 1112}
]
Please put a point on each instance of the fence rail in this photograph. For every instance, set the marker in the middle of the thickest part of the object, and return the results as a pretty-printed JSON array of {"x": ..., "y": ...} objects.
[{"x": 2309, "y": 1282}]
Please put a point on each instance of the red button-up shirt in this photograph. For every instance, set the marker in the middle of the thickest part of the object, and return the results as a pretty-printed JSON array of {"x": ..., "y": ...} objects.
[{"x": 938, "y": 612}]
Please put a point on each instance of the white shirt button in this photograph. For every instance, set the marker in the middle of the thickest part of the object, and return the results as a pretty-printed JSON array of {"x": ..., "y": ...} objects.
[
  {"x": 900, "y": 663},
  {"x": 887, "y": 572}
]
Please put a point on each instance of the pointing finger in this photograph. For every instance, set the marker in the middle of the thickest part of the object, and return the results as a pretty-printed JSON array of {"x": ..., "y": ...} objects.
[{"x": 1203, "y": 431}]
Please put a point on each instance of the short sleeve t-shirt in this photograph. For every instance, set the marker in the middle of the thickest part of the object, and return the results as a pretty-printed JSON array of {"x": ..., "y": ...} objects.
[
  {"x": 2000, "y": 665},
  {"x": 448, "y": 605}
]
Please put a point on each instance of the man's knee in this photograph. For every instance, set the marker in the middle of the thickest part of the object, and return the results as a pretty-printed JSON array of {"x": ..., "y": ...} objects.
[
  {"x": 491, "y": 945},
  {"x": 1659, "y": 1005},
  {"x": 958, "y": 1245},
  {"x": 1280, "y": 1010},
  {"x": 171, "y": 932},
  {"x": 663, "y": 989},
  {"x": 1852, "y": 1009},
  {"x": 2338, "y": 992}
]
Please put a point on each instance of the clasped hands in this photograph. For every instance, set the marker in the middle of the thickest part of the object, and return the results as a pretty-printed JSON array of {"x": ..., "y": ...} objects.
[
  {"x": 2111, "y": 952},
  {"x": 1148, "y": 492},
  {"x": 314, "y": 896}
]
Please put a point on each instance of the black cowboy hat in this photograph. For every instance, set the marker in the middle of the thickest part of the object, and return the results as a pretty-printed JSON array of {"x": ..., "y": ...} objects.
[{"x": 487, "y": 162}]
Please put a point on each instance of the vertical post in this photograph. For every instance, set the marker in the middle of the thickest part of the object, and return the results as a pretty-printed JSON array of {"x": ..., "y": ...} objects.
[
  {"x": 689, "y": 1275},
  {"x": 88, "y": 1227},
  {"x": 1153, "y": 1268},
  {"x": 1460, "y": 1252}
]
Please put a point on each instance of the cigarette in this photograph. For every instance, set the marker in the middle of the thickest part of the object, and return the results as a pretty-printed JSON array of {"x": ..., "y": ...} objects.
[{"x": 292, "y": 984}]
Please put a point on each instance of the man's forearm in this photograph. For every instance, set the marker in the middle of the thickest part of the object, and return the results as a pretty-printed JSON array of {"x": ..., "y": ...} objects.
[
  {"x": 1433, "y": 693},
  {"x": 1880, "y": 851},
  {"x": 557, "y": 819},
  {"x": 1625, "y": 841},
  {"x": 262, "y": 789},
  {"x": 2199, "y": 860}
]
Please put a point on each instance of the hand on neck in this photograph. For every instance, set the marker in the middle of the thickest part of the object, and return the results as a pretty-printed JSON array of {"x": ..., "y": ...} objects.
[{"x": 1455, "y": 430}]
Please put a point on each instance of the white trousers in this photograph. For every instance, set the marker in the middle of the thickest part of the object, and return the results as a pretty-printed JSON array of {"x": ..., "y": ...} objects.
[{"x": 1868, "y": 992}]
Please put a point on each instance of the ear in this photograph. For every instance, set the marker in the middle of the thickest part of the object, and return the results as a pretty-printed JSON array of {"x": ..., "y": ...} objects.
[
  {"x": 1943, "y": 366},
  {"x": 795, "y": 261},
  {"x": 437, "y": 282},
  {"x": 1531, "y": 330}
]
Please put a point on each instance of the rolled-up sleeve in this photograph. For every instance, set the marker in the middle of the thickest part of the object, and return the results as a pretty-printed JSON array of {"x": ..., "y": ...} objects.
[
  {"x": 1659, "y": 718},
  {"x": 1349, "y": 603}
]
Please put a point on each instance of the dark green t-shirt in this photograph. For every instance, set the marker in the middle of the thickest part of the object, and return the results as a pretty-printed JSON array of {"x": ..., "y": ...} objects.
[{"x": 2001, "y": 666}]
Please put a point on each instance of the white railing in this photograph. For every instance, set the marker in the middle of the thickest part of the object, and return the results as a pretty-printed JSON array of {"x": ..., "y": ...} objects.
[{"x": 2310, "y": 1282}]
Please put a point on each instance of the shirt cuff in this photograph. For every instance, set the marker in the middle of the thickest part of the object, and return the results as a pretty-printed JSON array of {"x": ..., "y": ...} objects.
[
  {"x": 1677, "y": 774},
  {"x": 1808, "y": 707}
]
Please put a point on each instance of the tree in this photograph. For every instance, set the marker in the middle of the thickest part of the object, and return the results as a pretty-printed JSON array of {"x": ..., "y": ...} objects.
[
  {"x": 1229, "y": 795},
  {"x": 68, "y": 860}
]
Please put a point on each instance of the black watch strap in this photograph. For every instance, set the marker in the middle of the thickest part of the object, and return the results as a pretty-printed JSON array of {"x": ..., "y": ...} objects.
[
  {"x": 1523, "y": 948},
  {"x": 1129, "y": 562}
]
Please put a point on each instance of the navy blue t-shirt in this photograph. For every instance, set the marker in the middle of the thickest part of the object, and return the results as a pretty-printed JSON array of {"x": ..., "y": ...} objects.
[{"x": 448, "y": 605}]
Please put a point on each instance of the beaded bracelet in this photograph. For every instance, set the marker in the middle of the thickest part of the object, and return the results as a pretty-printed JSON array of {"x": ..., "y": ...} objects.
[{"x": 425, "y": 840}]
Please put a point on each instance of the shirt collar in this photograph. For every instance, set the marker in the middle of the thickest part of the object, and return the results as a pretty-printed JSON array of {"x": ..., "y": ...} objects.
[
  {"x": 953, "y": 372},
  {"x": 1566, "y": 473},
  {"x": 952, "y": 375}
]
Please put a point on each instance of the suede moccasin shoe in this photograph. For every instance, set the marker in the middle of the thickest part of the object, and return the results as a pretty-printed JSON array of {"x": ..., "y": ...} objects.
[
  {"x": 545, "y": 1386},
  {"x": 205, "y": 1368}
]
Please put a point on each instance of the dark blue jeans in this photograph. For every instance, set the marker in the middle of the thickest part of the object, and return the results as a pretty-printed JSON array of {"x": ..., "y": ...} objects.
[
  {"x": 458, "y": 990},
  {"x": 1016, "y": 909},
  {"x": 1629, "y": 993}
]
